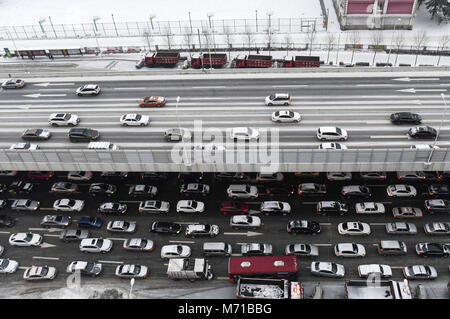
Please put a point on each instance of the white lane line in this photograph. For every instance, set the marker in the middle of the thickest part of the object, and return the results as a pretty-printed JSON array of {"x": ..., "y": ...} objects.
[
  {"x": 389, "y": 136},
  {"x": 5, "y": 232},
  {"x": 377, "y": 224},
  {"x": 209, "y": 87},
  {"x": 51, "y": 235},
  {"x": 397, "y": 267},
  {"x": 110, "y": 262},
  {"x": 47, "y": 245},
  {"x": 188, "y": 223},
  {"x": 119, "y": 239},
  {"x": 182, "y": 241},
  {"x": 374, "y": 85},
  {"x": 46, "y": 258},
  {"x": 324, "y": 245},
  {"x": 325, "y": 224},
  {"x": 290, "y": 86},
  {"x": 222, "y": 278},
  {"x": 236, "y": 255},
  {"x": 23, "y": 267}
]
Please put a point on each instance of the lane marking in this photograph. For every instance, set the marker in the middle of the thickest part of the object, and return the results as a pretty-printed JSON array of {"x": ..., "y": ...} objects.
[
  {"x": 182, "y": 241},
  {"x": 110, "y": 262},
  {"x": 45, "y": 258}
]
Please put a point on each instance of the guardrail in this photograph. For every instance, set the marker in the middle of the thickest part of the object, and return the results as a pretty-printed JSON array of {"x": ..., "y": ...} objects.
[{"x": 301, "y": 160}]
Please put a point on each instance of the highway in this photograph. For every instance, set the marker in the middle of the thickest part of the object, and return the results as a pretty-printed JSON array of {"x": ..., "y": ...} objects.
[{"x": 360, "y": 105}]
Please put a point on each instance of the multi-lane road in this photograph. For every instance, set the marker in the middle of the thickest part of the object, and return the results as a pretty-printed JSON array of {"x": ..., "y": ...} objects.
[{"x": 361, "y": 105}]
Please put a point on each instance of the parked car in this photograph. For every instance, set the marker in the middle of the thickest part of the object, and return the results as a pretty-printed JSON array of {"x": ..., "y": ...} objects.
[
  {"x": 114, "y": 175},
  {"x": 175, "y": 251},
  {"x": 132, "y": 271},
  {"x": 354, "y": 228},
  {"x": 84, "y": 268},
  {"x": 256, "y": 249},
  {"x": 280, "y": 190},
  {"x": 269, "y": 177},
  {"x": 311, "y": 189},
  {"x": 437, "y": 205},
  {"x": 55, "y": 221},
  {"x": 401, "y": 190},
  {"x": 331, "y": 207},
  {"x": 234, "y": 208},
  {"x": 112, "y": 208},
  {"x": 143, "y": 190},
  {"x": 190, "y": 206},
  {"x": 327, "y": 269},
  {"x": 202, "y": 230},
  {"x": 407, "y": 212},
  {"x": 35, "y": 273},
  {"x": 432, "y": 250},
  {"x": 437, "y": 228},
  {"x": 45, "y": 175},
  {"x": 419, "y": 272},
  {"x": 139, "y": 244},
  {"x": 68, "y": 205},
  {"x": 245, "y": 221},
  {"x": 159, "y": 176},
  {"x": 302, "y": 250},
  {"x": 355, "y": 191},
  {"x": 25, "y": 204},
  {"x": 25, "y": 239},
  {"x": 303, "y": 227},
  {"x": 90, "y": 222},
  {"x": 369, "y": 208},
  {"x": 154, "y": 206},
  {"x": 96, "y": 245},
  {"x": 275, "y": 207},
  {"x": 165, "y": 228},
  {"x": 384, "y": 271},
  {"x": 73, "y": 235},
  {"x": 411, "y": 176},
  {"x": 349, "y": 250},
  {"x": 121, "y": 226},
  {"x": 399, "y": 228}
]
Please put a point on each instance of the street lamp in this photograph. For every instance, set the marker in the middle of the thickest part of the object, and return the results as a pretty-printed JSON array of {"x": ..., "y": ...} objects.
[
  {"x": 40, "y": 24},
  {"x": 51, "y": 23},
  {"x": 210, "y": 15},
  {"x": 190, "y": 21},
  {"x": 428, "y": 162},
  {"x": 152, "y": 16},
  {"x": 131, "y": 287},
  {"x": 269, "y": 14},
  {"x": 392, "y": 39},
  {"x": 256, "y": 18}
]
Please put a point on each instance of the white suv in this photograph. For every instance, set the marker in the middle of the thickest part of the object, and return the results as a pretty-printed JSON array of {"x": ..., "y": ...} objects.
[
  {"x": 331, "y": 133},
  {"x": 278, "y": 99},
  {"x": 88, "y": 89},
  {"x": 242, "y": 191},
  {"x": 63, "y": 119},
  {"x": 244, "y": 133}
]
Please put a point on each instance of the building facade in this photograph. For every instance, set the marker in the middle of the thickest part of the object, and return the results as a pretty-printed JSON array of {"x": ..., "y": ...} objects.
[{"x": 375, "y": 14}]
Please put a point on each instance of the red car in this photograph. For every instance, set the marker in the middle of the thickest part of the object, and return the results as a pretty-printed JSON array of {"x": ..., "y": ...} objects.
[
  {"x": 233, "y": 208},
  {"x": 40, "y": 175}
]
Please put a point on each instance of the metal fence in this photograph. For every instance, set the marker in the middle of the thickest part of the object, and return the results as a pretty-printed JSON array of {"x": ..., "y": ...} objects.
[
  {"x": 286, "y": 161},
  {"x": 159, "y": 28}
]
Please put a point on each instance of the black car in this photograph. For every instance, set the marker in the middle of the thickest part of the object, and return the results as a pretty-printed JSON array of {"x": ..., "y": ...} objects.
[
  {"x": 74, "y": 234},
  {"x": 165, "y": 228},
  {"x": 438, "y": 190},
  {"x": 102, "y": 189},
  {"x": 190, "y": 177},
  {"x": 112, "y": 208},
  {"x": 331, "y": 207},
  {"x": 36, "y": 134},
  {"x": 114, "y": 175},
  {"x": 3, "y": 188},
  {"x": 231, "y": 177},
  {"x": 355, "y": 191},
  {"x": 312, "y": 189},
  {"x": 21, "y": 187},
  {"x": 80, "y": 134},
  {"x": 374, "y": 176},
  {"x": 303, "y": 227},
  {"x": 405, "y": 117},
  {"x": 154, "y": 176},
  {"x": 280, "y": 190},
  {"x": 425, "y": 132},
  {"x": 432, "y": 250},
  {"x": 90, "y": 222},
  {"x": 194, "y": 189},
  {"x": 7, "y": 221}
]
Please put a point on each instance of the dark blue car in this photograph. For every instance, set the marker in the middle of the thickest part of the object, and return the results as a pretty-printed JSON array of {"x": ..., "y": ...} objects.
[{"x": 90, "y": 222}]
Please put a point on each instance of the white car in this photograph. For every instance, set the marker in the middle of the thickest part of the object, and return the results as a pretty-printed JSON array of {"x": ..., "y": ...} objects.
[
  {"x": 331, "y": 133},
  {"x": 384, "y": 271},
  {"x": 79, "y": 176},
  {"x": 424, "y": 147},
  {"x": 236, "y": 191},
  {"x": 13, "y": 84},
  {"x": 134, "y": 119},
  {"x": 121, "y": 226},
  {"x": 132, "y": 271},
  {"x": 154, "y": 206},
  {"x": 39, "y": 273},
  {"x": 275, "y": 207},
  {"x": 244, "y": 134},
  {"x": 339, "y": 176},
  {"x": 88, "y": 89},
  {"x": 401, "y": 228},
  {"x": 24, "y": 146},
  {"x": 327, "y": 269},
  {"x": 190, "y": 206},
  {"x": 370, "y": 208},
  {"x": 68, "y": 205},
  {"x": 63, "y": 119},
  {"x": 349, "y": 250},
  {"x": 84, "y": 268},
  {"x": 401, "y": 190},
  {"x": 278, "y": 99},
  {"x": 8, "y": 266},
  {"x": 245, "y": 221},
  {"x": 198, "y": 230},
  {"x": 354, "y": 228},
  {"x": 95, "y": 245},
  {"x": 332, "y": 146},
  {"x": 139, "y": 244},
  {"x": 175, "y": 251},
  {"x": 25, "y": 239},
  {"x": 286, "y": 116}
]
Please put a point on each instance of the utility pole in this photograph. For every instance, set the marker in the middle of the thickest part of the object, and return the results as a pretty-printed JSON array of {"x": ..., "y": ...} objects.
[
  {"x": 392, "y": 39},
  {"x": 51, "y": 23},
  {"x": 40, "y": 24},
  {"x": 152, "y": 16},
  {"x": 428, "y": 162},
  {"x": 114, "y": 22},
  {"x": 200, "y": 47},
  {"x": 190, "y": 21},
  {"x": 256, "y": 17}
]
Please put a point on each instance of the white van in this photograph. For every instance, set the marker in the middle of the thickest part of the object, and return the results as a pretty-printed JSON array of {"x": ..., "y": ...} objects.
[
  {"x": 108, "y": 146},
  {"x": 217, "y": 249}
]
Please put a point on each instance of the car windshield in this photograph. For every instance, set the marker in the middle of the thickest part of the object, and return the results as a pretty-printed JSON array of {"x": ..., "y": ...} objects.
[
  {"x": 71, "y": 202},
  {"x": 67, "y": 116},
  {"x": 44, "y": 271},
  {"x": 89, "y": 266},
  {"x": 138, "y": 117},
  {"x": 334, "y": 268},
  {"x": 179, "y": 250},
  {"x": 194, "y": 204},
  {"x": 99, "y": 243},
  {"x": 4, "y": 263},
  {"x": 272, "y": 97}
]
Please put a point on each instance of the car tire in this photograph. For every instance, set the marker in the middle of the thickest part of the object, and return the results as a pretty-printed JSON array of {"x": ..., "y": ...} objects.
[
  {"x": 286, "y": 104},
  {"x": 143, "y": 124},
  {"x": 278, "y": 121},
  {"x": 124, "y": 124},
  {"x": 79, "y": 94},
  {"x": 269, "y": 104}
]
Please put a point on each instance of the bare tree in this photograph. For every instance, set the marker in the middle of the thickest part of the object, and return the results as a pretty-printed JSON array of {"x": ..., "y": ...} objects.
[
  {"x": 270, "y": 37},
  {"x": 288, "y": 41},
  {"x": 168, "y": 35},
  {"x": 311, "y": 35},
  {"x": 420, "y": 39},
  {"x": 330, "y": 43},
  {"x": 228, "y": 34},
  {"x": 354, "y": 38},
  {"x": 376, "y": 39},
  {"x": 147, "y": 35},
  {"x": 443, "y": 42},
  {"x": 399, "y": 40},
  {"x": 188, "y": 38},
  {"x": 249, "y": 37}
]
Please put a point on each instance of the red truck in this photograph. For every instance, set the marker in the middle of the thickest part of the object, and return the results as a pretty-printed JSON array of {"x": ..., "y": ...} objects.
[
  {"x": 216, "y": 60},
  {"x": 254, "y": 61},
  {"x": 301, "y": 62},
  {"x": 162, "y": 59}
]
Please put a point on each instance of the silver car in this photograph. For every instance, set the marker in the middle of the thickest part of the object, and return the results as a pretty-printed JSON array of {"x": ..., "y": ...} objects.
[
  {"x": 401, "y": 190},
  {"x": 437, "y": 228},
  {"x": 245, "y": 221},
  {"x": 384, "y": 271},
  {"x": 354, "y": 228},
  {"x": 256, "y": 249},
  {"x": 139, "y": 244},
  {"x": 121, "y": 226},
  {"x": 132, "y": 271},
  {"x": 327, "y": 269},
  {"x": 25, "y": 204},
  {"x": 95, "y": 245},
  {"x": 56, "y": 221},
  {"x": 349, "y": 250},
  {"x": 68, "y": 205},
  {"x": 175, "y": 251},
  {"x": 25, "y": 239},
  {"x": 154, "y": 206},
  {"x": 420, "y": 272},
  {"x": 302, "y": 250},
  {"x": 400, "y": 228},
  {"x": 8, "y": 266}
]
